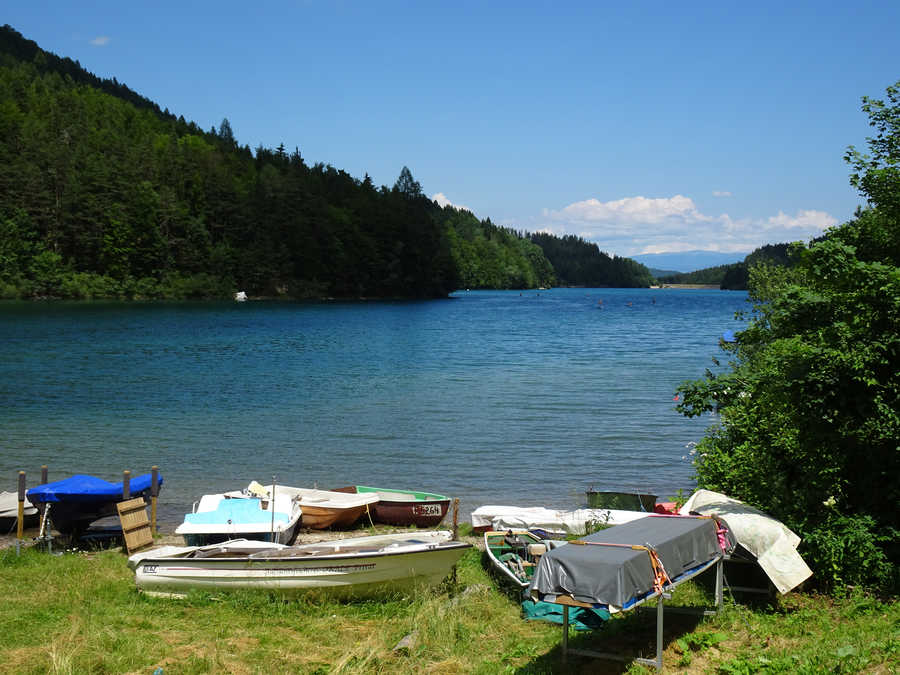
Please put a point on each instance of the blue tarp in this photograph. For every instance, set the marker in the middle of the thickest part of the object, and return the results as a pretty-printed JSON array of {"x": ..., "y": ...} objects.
[
  {"x": 235, "y": 511},
  {"x": 84, "y": 488}
]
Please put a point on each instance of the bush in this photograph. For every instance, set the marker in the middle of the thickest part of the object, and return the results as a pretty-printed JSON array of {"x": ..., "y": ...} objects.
[
  {"x": 848, "y": 550},
  {"x": 87, "y": 286}
]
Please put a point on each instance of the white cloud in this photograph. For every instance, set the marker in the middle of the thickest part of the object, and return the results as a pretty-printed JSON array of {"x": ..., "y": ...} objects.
[
  {"x": 802, "y": 221},
  {"x": 630, "y": 209},
  {"x": 100, "y": 41},
  {"x": 442, "y": 200},
  {"x": 721, "y": 193},
  {"x": 635, "y": 225}
]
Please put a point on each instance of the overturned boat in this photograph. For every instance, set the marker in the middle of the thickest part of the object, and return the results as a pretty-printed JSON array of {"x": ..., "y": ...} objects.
[{"x": 352, "y": 567}]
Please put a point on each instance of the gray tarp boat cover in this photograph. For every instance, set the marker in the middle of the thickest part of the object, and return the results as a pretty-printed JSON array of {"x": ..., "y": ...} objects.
[{"x": 619, "y": 577}]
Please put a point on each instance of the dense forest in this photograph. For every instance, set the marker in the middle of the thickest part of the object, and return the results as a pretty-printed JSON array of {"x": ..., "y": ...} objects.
[
  {"x": 733, "y": 277},
  {"x": 102, "y": 194},
  {"x": 581, "y": 263}
]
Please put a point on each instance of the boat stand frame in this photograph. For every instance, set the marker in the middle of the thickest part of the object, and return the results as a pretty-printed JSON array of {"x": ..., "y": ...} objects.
[{"x": 568, "y": 601}]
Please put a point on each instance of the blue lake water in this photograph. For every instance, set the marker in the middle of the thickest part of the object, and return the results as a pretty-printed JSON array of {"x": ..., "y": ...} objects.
[{"x": 493, "y": 397}]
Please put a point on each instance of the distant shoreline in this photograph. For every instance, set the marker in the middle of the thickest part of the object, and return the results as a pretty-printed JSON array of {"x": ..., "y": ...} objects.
[{"x": 706, "y": 287}]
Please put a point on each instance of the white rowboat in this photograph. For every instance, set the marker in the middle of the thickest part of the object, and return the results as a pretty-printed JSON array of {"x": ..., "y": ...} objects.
[{"x": 349, "y": 567}]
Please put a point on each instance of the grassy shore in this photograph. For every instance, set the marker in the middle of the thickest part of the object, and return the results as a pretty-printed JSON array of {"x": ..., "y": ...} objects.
[{"x": 81, "y": 613}]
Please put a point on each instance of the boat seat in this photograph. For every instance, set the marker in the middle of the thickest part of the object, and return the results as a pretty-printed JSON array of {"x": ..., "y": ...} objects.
[
  {"x": 396, "y": 497},
  {"x": 236, "y": 511}
]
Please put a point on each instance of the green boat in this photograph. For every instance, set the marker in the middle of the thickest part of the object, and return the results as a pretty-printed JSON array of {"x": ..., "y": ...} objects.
[
  {"x": 404, "y": 507},
  {"x": 621, "y": 501}
]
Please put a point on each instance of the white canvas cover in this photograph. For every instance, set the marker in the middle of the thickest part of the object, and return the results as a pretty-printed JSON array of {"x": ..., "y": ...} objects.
[
  {"x": 557, "y": 522},
  {"x": 773, "y": 544}
]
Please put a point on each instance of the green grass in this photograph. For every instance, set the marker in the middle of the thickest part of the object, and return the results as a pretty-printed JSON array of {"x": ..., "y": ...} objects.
[{"x": 81, "y": 613}]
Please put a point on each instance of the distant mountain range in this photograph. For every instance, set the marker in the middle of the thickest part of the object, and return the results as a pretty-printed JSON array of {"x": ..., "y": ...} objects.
[{"x": 688, "y": 261}]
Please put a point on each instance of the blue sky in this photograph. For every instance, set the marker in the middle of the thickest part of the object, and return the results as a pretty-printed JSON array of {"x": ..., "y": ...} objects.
[{"x": 642, "y": 126}]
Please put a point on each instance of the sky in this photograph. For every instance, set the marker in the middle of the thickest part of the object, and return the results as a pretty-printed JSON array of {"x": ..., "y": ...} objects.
[{"x": 646, "y": 127}]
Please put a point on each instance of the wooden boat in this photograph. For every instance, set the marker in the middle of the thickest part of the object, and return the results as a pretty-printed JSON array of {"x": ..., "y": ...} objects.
[
  {"x": 404, "y": 507},
  {"x": 354, "y": 567},
  {"x": 321, "y": 508},
  {"x": 515, "y": 554},
  {"x": 75, "y": 502},
  {"x": 217, "y": 517}
]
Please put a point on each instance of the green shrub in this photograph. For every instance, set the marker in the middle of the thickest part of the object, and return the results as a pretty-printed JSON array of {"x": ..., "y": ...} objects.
[{"x": 848, "y": 551}]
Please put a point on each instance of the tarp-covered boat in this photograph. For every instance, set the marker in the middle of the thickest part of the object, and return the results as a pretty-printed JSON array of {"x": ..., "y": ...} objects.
[
  {"x": 620, "y": 566},
  {"x": 346, "y": 567},
  {"x": 78, "y": 501},
  {"x": 404, "y": 507}
]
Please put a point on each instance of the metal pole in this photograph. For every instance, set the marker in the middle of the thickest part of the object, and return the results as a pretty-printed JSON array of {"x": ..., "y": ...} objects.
[
  {"x": 126, "y": 484},
  {"x": 565, "y": 641},
  {"x": 154, "y": 492},
  {"x": 272, "y": 506},
  {"x": 659, "y": 630},
  {"x": 21, "y": 521},
  {"x": 720, "y": 577},
  {"x": 42, "y": 506}
]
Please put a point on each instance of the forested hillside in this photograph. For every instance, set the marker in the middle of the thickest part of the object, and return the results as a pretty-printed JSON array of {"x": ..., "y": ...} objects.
[
  {"x": 103, "y": 194},
  {"x": 581, "y": 263},
  {"x": 733, "y": 277}
]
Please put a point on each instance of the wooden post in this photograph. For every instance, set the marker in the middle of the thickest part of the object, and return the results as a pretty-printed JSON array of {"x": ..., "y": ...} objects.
[
  {"x": 154, "y": 493},
  {"x": 126, "y": 485},
  {"x": 21, "y": 521},
  {"x": 455, "y": 518}
]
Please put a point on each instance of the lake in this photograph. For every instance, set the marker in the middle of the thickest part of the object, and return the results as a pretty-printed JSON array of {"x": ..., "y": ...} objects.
[{"x": 496, "y": 397}]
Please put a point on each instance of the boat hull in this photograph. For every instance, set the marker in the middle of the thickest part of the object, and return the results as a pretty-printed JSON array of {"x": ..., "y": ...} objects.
[
  {"x": 9, "y": 512},
  {"x": 404, "y": 508},
  {"x": 323, "y": 517},
  {"x": 351, "y": 574}
]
